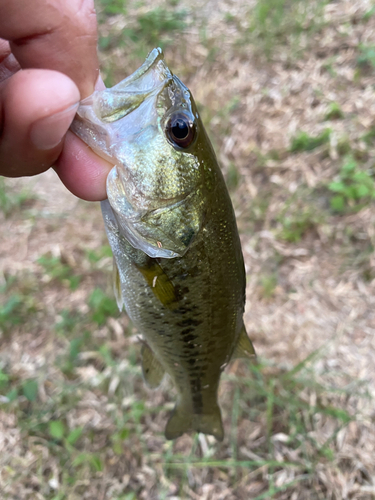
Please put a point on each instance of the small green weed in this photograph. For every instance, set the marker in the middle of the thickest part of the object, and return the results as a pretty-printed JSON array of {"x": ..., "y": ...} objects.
[
  {"x": 367, "y": 15},
  {"x": 17, "y": 302},
  {"x": 113, "y": 7},
  {"x": 102, "y": 306},
  {"x": 334, "y": 112},
  {"x": 353, "y": 187},
  {"x": 11, "y": 311},
  {"x": 30, "y": 389},
  {"x": 68, "y": 321},
  {"x": 305, "y": 142},
  {"x": 10, "y": 199},
  {"x": 343, "y": 146},
  {"x": 268, "y": 284},
  {"x": 94, "y": 256},
  {"x": 92, "y": 459},
  {"x": 294, "y": 228},
  {"x": 299, "y": 215},
  {"x": 369, "y": 137},
  {"x": 58, "y": 431},
  {"x": 257, "y": 212},
  {"x": 27, "y": 388},
  {"x": 4, "y": 380},
  {"x": 330, "y": 66},
  {"x": 366, "y": 57},
  {"x": 70, "y": 360},
  {"x": 60, "y": 271}
]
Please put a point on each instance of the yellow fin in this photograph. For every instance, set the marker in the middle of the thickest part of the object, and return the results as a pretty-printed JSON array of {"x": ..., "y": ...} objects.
[
  {"x": 153, "y": 372},
  {"x": 181, "y": 422},
  {"x": 244, "y": 347},
  {"x": 117, "y": 286},
  {"x": 160, "y": 284}
]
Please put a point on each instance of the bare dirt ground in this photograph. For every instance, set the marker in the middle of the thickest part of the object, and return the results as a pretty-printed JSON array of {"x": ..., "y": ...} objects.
[{"x": 75, "y": 418}]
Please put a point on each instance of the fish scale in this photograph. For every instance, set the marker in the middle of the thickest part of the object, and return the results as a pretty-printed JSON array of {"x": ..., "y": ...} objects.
[{"x": 179, "y": 269}]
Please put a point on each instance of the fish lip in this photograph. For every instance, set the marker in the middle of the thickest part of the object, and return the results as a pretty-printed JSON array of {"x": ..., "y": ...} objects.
[
  {"x": 117, "y": 102},
  {"x": 154, "y": 57}
]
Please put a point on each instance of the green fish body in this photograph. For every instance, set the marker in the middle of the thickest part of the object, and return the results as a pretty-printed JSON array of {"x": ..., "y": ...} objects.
[{"x": 179, "y": 269}]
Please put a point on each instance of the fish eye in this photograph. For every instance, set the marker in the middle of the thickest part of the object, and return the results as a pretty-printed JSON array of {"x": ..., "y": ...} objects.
[{"x": 180, "y": 130}]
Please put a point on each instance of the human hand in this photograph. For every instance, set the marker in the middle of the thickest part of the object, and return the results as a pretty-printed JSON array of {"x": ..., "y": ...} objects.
[{"x": 48, "y": 62}]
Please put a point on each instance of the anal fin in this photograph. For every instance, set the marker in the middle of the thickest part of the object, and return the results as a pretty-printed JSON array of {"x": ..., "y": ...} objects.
[
  {"x": 244, "y": 347},
  {"x": 153, "y": 371}
]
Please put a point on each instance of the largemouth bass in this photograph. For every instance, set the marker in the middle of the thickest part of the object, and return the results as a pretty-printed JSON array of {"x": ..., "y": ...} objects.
[{"x": 178, "y": 265}]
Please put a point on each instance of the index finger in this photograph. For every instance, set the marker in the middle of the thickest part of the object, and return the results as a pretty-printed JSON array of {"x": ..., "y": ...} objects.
[{"x": 53, "y": 34}]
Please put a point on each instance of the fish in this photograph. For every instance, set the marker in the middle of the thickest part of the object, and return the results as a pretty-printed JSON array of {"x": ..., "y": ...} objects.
[{"x": 178, "y": 264}]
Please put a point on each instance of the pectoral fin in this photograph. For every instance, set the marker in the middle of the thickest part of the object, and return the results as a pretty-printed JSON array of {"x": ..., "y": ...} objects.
[
  {"x": 117, "y": 286},
  {"x": 153, "y": 372},
  {"x": 244, "y": 347},
  {"x": 161, "y": 286}
]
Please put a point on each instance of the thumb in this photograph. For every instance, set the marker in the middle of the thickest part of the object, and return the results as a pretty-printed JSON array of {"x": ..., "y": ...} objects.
[{"x": 37, "y": 107}]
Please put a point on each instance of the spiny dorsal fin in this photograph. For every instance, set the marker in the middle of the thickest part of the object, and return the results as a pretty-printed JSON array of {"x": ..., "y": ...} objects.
[
  {"x": 117, "y": 286},
  {"x": 153, "y": 372},
  {"x": 244, "y": 347}
]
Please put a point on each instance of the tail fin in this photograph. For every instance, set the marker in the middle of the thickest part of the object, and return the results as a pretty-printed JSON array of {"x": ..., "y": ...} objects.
[{"x": 182, "y": 421}]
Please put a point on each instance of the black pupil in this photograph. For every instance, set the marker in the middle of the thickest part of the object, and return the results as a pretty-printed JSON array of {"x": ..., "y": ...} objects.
[{"x": 180, "y": 129}]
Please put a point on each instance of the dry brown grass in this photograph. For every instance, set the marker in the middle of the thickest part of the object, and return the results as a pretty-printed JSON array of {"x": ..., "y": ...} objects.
[{"x": 292, "y": 431}]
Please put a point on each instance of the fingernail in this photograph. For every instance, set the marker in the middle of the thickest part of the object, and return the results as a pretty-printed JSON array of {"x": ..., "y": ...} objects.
[{"x": 48, "y": 132}]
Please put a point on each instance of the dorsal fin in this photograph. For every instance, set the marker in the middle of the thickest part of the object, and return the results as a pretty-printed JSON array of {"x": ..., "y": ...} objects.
[{"x": 153, "y": 372}]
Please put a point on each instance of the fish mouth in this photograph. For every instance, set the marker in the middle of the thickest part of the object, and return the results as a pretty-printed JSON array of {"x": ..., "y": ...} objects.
[
  {"x": 154, "y": 61},
  {"x": 149, "y": 80}
]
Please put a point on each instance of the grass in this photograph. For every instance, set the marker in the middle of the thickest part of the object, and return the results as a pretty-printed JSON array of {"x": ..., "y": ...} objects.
[
  {"x": 366, "y": 57},
  {"x": 369, "y": 136},
  {"x": 277, "y": 400},
  {"x": 102, "y": 306},
  {"x": 12, "y": 200},
  {"x": 112, "y": 7},
  {"x": 56, "y": 269},
  {"x": 353, "y": 188},
  {"x": 299, "y": 216},
  {"x": 334, "y": 112},
  {"x": 158, "y": 27},
  {"x": 17, "y": 303},
  {"x": 275, "y": 23},
  {"x": 267, "y": 396},
  {"x": 305, "y": 142},
  {"x": 268, "y": 282}
]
